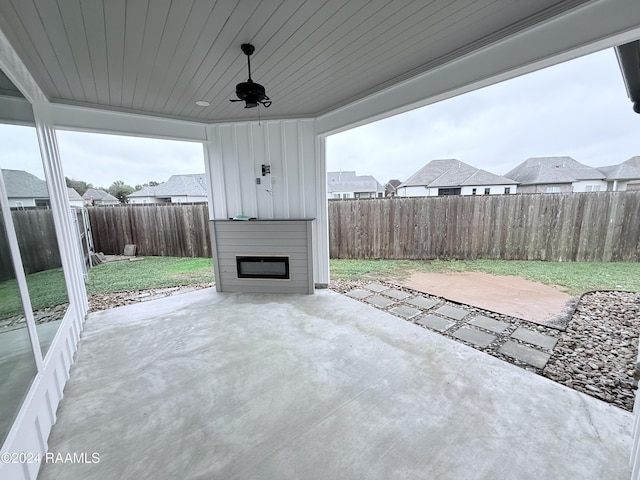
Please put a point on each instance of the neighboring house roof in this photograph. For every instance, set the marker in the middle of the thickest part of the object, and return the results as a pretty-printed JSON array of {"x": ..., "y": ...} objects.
[
  {"x": 627, "y": 170},
  {"x": 21, "y": 184},
  {"x": 99, "y": 195},
  {"x": 454, "y": 173},
  {"x": 73, "y": 195},
  {"x": 544, "y": 170},
  {"x": 192, "y": 185},
  {"x": 350, "y": 182},
  {"x": 392, "y": 185}
]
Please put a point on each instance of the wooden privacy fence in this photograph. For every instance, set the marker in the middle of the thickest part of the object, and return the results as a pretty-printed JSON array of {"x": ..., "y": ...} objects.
[
  {"x": 598, "y": 226},
  {"x": 37, "y": 241},
  {"x": 163, "y": 230}
]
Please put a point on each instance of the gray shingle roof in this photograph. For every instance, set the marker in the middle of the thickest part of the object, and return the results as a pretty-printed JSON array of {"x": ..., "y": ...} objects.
[
  {"x": 627, "y": 170},
  {"x": 73, "y": 195},
  {"x": 544, "y": 170},
  {"x": 454, "y": 173},
  {"x": 21, "y": 184},
  {"x": 99, "y": 195},
  {"x": 193, "y": 185},
  {"x": 350, "y": 182}
]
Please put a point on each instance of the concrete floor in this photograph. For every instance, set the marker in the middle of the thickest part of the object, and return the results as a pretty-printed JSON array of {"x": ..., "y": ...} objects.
[{"x": 209, "y": 385}]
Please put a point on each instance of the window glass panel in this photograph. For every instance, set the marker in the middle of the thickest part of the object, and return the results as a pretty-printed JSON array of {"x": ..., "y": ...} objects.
[
  {"x": 28, "y": 195},
  {"x": 23, "y": 175},
  {"x": 17, "y": 363}
]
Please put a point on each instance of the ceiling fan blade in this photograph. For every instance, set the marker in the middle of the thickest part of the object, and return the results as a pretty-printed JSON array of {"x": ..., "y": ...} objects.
[
  {"x": 266, "y": 104},
  {"x": 235, "y": 100}
]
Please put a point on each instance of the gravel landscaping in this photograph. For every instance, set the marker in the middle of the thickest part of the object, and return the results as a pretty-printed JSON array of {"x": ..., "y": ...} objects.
[{"x": 598, "y": 351}]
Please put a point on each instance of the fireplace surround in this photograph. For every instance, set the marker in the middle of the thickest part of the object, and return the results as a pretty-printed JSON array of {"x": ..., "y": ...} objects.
[{"x": 263, "y": 256}]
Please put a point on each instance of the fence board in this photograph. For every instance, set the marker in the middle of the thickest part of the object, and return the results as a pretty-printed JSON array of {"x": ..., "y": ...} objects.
[
  {"x": 37, "y": 240},
  {"x": 594, "y": 226},
  {"x": 162, "y": 230}
]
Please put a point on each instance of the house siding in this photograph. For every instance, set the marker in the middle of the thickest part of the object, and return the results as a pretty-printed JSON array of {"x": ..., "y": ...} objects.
[
  {"x": 423, "y": 191},
  {"x": 583, "y": 185},
  {"x": 542, "y": 188}
]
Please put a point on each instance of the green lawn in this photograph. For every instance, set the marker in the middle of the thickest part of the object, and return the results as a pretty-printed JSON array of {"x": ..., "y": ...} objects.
[
  {"x": 47, "y": 288},
  {"x": 576, "y": 277},
  {"x": 152, "y": 272}
]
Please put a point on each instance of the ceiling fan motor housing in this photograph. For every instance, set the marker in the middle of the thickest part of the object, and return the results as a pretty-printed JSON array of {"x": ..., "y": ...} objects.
[{"x": 250, "y": 92}]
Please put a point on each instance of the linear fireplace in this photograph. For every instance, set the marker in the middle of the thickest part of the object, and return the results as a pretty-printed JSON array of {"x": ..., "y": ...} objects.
[
  {"x": 270, "y": 266},
  {"x": 263, "y": 255}
]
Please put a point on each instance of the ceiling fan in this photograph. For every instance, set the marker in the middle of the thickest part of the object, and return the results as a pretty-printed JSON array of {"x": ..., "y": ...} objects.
[{"x": 250, "y": 92}]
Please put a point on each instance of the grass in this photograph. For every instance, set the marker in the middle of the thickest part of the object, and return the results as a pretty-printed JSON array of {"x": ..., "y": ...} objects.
[
  {"x": 152, "y": 272},
  {"x": 576, "y": 277},
  {"x": 47, "y": 288}
]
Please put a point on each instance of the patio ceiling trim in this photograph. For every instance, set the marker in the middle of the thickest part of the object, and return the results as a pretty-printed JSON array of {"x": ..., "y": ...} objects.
[
  {"x": 629, "y": 61},
  {"x": 584, "y": 30},
  {"x": 88, "y": 119}
]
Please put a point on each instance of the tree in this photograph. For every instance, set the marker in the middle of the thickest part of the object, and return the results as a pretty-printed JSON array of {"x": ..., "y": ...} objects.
[
  {"x": 78, "y": 185},
  {"x": 148, "y": 184},
  {"x": 120, "y": 190}
]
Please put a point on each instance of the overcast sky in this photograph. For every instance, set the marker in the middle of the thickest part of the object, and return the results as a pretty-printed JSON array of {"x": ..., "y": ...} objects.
[{"x": 579, "y": 109}]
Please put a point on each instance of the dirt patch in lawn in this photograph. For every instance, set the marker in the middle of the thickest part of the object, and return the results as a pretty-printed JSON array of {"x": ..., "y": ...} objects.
[{"x": 508, "y": 295}]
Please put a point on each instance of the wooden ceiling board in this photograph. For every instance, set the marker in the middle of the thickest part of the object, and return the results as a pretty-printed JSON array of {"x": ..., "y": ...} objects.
[
  {"x": 160, "y": 56},
  {"x": 71, "y": 15},
  {"x": 175, "y": 27},
  {"x": 29, "y": 30},
  {"x": 199, "y": 17},
  {"x": 285, "y": 44},
  {"x": 136, "y": 16},
  {"x": 225, "y": 63},
  {"x": 114, "y": 25},
  {"x": 210, "y": 34}
]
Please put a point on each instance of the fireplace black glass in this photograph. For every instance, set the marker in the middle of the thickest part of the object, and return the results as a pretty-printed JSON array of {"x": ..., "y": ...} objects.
[{"x": 276, "y": 267}]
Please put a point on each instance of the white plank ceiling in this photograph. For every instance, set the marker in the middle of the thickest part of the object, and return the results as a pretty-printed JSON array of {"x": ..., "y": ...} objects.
[{"x": 160, "y": 56}]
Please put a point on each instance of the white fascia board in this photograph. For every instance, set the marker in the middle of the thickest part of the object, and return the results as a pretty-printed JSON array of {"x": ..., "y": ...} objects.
[
  {"x": 595, "y": 26},
  {"x": 85, "y": 119}
]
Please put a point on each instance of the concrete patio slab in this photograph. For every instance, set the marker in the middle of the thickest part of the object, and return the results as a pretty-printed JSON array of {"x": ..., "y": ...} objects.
[
  {"x": 397, "y": 294},
  {"x": 476, "y": 337},
  {"x": 359, "y": 293},
  {"x": 404, "y": 311},
  {"x": 508, "y": 295},
  {"x": 379, "y": 301},
  {"x": 235, "y": 386},
  {"x": 535, "y": 338},
  {"x": 490, "y": 324},
  {"x": 437, "y": 323},
  {"x": 525, "y": 354},
  {"x": 421, "y": 302},
  {"x": 376, "y": 287},
  {"x": 452, "y": 312}
]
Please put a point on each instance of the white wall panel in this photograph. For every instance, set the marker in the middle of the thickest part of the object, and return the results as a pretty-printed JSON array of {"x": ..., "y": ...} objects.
[{"x": 235, "y": 154}]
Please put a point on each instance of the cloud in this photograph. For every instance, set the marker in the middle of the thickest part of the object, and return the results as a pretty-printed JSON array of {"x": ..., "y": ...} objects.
[
  {"x": 101, "y": 159},
  {"x": 579, "y": 108}
]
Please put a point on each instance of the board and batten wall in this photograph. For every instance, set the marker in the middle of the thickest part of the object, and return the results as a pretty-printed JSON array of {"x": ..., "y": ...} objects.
[
  {"x": 290, "y": 238},
  {"x": 295, "y": 188}
]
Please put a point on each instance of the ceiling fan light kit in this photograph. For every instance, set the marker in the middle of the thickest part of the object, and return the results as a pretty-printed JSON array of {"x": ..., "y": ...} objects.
[{"x": 253, "y": 94}]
